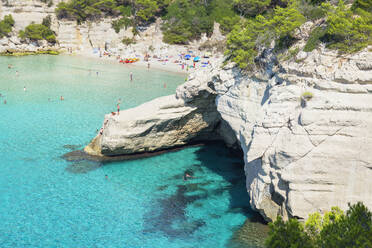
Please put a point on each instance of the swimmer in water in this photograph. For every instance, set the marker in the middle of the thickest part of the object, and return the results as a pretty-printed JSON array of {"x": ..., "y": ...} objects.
[
  {"x": 187, "y": 176},
  {"x": 4, "y": 101},
  {"x": 17, "y": 73},
  {"x": 24, "y": 89}
]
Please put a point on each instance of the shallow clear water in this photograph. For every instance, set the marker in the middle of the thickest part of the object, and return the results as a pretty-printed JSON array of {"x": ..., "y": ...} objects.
[{"x": 46, "y": 201}]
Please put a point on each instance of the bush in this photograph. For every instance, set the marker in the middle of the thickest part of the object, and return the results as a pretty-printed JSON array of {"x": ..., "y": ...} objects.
[
  {"x": 334, "y": 229},
  {"x": 347, "y": 31},
  {"x": 243, "y": 42},
  {"x": 6, "y": 25},
  {"x": 125, "y": 22},
  {"x": 128, "y": 41},
  {"x": 307, "y": 96},
  {"x": 186, "y": 21},
  {"x": 47, "y": 21},
  {"x": 251, "y": 7},
  {"x": 37, "y": 32},
  {"x": 315, "y": 38}
]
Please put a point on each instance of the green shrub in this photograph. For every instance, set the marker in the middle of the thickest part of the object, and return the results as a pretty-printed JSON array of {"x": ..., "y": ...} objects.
[
  {"x": 125, "y": 22},
  {"x": 128, "y": 41},
  {"x": 185, "y": 21},
  {"x": 347, "y": 31},
  {"x": 37, "y": 32},
  {"x": 307, "y": 96},
  {"x": 251, "y": 7},
  {"x": 47, "y": 21},
  {"x": 246, "y": 37},
  {"x": 6, "y": 25},
  {"x": 315, "y": 38},
  {"x": 334, "y": 229}
]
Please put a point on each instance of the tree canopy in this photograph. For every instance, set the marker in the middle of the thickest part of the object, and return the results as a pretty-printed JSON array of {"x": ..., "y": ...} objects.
[{"x": 335, "y": 229}]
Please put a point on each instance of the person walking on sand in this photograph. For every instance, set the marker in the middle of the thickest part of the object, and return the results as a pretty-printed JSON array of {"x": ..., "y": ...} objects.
[
  {"x": 131, "y": 76},
  {"x": 17, "y": 73},
  {"x": 4, "y": 101},
  {"x": 118, "y": 108},
  {"x": 24, "y": 89},
  {"x": 148, "y": 66},
  {"x": 62, "y": 98}
]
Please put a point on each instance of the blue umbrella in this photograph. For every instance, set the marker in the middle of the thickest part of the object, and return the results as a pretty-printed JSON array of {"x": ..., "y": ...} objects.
[
  {"x": 196, "y": 59},
  {"x": 188, "y": 56}
]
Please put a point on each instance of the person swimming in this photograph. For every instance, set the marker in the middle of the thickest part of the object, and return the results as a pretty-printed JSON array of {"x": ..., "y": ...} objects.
[
  {"x": 24, "y": 89},
  {"x": 187, "y": 176}
]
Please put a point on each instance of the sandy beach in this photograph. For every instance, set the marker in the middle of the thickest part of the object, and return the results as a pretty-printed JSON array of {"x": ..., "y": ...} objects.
[{"x": 170, "y": 63}]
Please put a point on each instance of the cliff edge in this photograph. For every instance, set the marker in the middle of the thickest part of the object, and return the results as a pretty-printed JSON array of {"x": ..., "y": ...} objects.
[{"x": 305, "y": 128}]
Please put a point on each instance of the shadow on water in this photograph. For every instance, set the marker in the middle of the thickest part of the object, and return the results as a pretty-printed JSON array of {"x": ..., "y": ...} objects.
[
  {"x": 254, "y": 231},
  {"x": 168, "y": 214},
  {"x": 172, "y": 219}
]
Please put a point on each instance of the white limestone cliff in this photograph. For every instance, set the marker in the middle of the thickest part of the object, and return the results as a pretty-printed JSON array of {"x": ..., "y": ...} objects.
[{"x": 302, "y": 154}]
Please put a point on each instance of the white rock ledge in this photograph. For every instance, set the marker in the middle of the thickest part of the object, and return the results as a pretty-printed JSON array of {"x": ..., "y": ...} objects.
[{"x": 300, "y": 156}]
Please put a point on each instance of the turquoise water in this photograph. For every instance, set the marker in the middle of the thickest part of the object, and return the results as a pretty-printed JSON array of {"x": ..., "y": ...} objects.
[{"x": 46, "y": 201}]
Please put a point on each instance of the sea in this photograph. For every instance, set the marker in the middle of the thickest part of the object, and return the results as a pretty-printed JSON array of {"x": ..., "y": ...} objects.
[{"x": 47, "y": 201}]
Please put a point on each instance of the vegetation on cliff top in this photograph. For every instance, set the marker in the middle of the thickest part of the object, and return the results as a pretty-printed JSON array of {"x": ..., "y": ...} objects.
[
  {"x": 250, "y": 24},
  {"x": 347, "y": 29},
  {"x": 352, "y": 229},
  {"x": 6, "y": 25}
]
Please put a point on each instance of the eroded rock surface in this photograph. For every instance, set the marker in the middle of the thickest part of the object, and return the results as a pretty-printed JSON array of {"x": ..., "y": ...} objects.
[
  {"x": 165, "y": 122},
  {"x": 305, "y": 155},
  {"x": 303, "y": 152}
]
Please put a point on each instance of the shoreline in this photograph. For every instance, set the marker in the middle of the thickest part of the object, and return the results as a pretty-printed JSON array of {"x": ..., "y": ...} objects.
[{"x": 167, "y": 66}]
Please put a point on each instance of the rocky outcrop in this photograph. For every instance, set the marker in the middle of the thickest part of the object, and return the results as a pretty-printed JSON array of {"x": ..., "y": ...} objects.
[
  {"x": 163, "y": 123},
  {"x": 304, "y": 128},
  {"x": 305, "y": 154}
]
